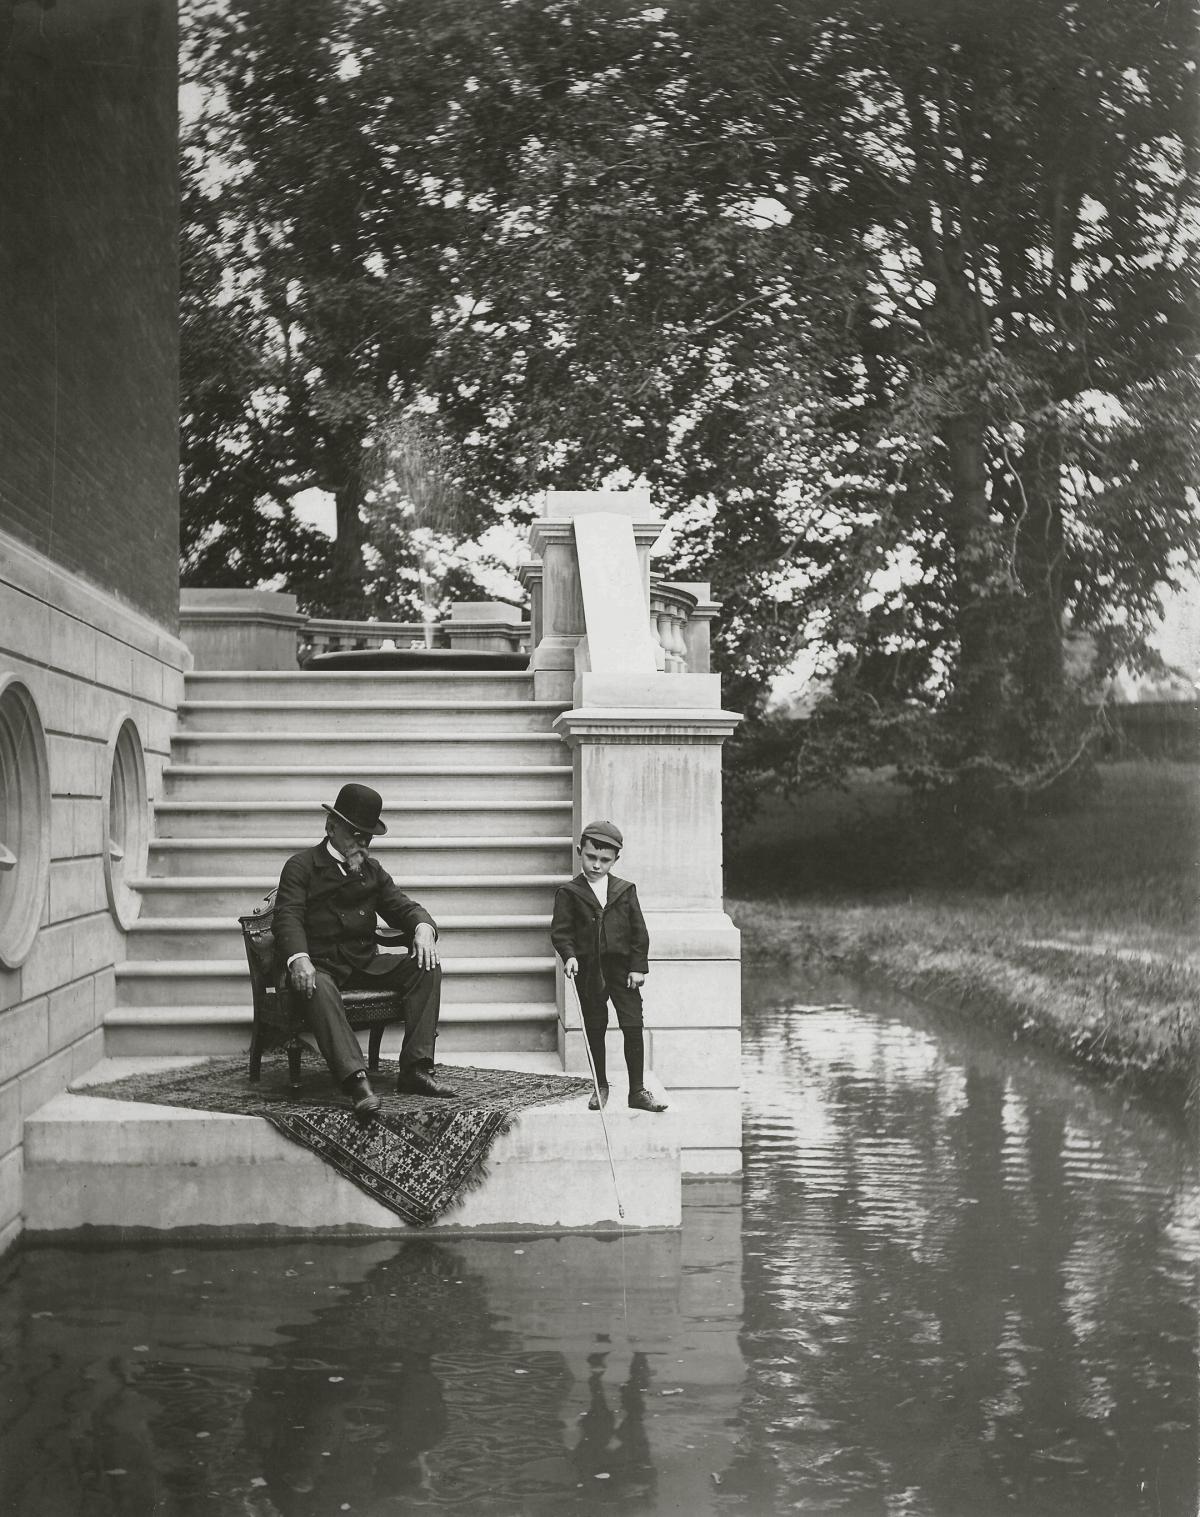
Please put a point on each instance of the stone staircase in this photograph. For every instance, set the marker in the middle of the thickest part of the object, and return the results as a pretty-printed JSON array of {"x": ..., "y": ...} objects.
[{"x": 477, "y": 797}]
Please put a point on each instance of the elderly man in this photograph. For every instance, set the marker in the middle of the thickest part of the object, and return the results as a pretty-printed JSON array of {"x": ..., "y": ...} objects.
[{"x": 325, "y": 910}]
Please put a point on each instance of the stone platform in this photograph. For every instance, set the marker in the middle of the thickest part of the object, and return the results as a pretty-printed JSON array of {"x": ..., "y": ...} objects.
[{"x": 100, "y": 1168}]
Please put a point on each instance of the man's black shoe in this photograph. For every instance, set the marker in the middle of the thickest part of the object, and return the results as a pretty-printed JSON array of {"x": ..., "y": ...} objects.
[
  {"x": 595, "y": 1102},
  {"x": 362, "y": 1097},
  {"x": 418, "y": 1082}
]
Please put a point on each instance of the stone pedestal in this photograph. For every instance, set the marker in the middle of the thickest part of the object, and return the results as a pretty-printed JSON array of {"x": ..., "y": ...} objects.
[
  {"x": 646, "y": 753},
  {"x": 486, "y": 626},
  {"x": 560, "y": 626},
  {"x": 240, "y": 629},
  {"x": 530, "y": 576}
]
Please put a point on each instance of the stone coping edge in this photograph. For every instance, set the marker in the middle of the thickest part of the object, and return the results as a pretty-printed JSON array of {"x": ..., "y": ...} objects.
[{"x": 33, "y": 574}]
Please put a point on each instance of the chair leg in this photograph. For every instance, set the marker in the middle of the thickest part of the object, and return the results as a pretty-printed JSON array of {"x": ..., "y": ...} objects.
[
  {"x": 295, "y": 1052},
  {"x": 256, "y": 1053},
  {"x": 373, "y": 1042}
]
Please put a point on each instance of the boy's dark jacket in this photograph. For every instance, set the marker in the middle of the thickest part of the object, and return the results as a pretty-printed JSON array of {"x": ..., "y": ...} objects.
[{"x": 580, "y": 930}]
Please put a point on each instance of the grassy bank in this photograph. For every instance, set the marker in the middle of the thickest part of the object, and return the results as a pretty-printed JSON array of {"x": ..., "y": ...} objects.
[{"x": 1085, "y": 941}]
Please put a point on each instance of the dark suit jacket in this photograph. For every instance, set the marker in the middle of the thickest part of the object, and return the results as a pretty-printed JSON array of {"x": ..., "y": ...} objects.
[
  {"x": 331, "y": 917},
  {"x": 580, "y": 930}
]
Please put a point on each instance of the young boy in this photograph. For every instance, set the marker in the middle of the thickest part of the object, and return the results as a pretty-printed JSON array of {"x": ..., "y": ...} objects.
[{"x": 600, "y": 934}]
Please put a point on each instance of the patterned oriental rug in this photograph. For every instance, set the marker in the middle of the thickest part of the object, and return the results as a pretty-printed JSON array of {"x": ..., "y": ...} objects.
[{"x": 419, "y": 1156}]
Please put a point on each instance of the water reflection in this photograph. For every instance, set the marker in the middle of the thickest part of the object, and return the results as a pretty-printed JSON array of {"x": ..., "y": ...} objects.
[
  {"x": 982, "y": 1299},
  {"x": 613, "y": 1445},
  {"x": 321, "y": 1437},
  {"x": 957, "y": 1281},
  {"x": 546, "y": 1375}
]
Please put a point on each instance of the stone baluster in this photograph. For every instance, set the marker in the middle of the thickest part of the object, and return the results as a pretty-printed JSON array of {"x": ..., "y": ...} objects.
[
  {"x": 670, "y": 608},
  {"x": 658, "y": 631},
  {"x": 679, "y": 615}
]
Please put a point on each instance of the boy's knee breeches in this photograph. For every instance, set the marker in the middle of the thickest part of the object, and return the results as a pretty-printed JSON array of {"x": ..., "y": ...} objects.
[{"x": 601, "y": 983}]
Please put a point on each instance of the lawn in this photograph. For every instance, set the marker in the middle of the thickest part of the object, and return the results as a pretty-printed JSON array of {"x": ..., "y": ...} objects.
[{"x": 1084, "y": 936}]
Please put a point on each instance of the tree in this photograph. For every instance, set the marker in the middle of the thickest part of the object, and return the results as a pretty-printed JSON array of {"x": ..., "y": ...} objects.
[
  {"x": 957, "y": 339},
  {"x": 889, "y": 304},
  {"x": 312, "y": 284}
]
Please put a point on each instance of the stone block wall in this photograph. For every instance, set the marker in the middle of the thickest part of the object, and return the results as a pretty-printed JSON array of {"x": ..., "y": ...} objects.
[{"x": 91, "y": 667}]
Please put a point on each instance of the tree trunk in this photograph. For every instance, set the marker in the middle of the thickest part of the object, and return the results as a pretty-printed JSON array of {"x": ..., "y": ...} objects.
[
  {"x": 346, "y": 596},
  {"x": 1039, "y": 549},
  {"x": 980, "y": 586}
]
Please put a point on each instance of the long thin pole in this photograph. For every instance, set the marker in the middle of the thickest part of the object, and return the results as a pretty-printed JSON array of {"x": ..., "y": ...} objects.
[{"x": 599, "y": 1098}]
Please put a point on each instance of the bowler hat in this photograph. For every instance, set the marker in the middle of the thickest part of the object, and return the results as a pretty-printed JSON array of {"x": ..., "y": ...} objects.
[
  {"x": 603, "y": 832},
  {"x": 359, "y": 807}
]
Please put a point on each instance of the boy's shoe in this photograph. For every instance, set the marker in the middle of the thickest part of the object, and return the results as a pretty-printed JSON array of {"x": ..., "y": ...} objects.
[
  {"x": 643, "y": 1100},
  {"x": 595, "y": 1102}
]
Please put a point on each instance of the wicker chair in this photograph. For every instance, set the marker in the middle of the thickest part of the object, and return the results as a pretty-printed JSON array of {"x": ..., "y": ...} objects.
[{"x": 278, "y": 1022}]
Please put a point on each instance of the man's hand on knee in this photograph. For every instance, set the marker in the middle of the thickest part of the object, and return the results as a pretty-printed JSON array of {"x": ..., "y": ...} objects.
[
  {"x": 303, "y": 975},
  {"x": 425, "y": 946}
]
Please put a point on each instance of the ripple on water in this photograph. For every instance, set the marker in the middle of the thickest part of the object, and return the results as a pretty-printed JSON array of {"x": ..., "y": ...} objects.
[{"x": 981, "y": 1273}]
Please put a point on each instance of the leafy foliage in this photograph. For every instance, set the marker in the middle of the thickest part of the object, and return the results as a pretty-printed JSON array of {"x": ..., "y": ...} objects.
[
  {"x": 890, "y": 305},
  {"x": 312, "y": 280}
]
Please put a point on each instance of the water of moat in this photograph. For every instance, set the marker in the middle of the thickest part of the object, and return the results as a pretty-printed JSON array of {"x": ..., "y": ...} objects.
[{"x": 956, "y": 1279}]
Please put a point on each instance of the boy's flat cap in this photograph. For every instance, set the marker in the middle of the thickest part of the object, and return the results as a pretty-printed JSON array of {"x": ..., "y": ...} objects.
[{"x": 603, "y": 832}]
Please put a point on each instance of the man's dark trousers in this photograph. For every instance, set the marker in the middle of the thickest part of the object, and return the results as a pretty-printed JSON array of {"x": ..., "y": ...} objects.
[
  {"x": 329, "y": 915},
  {"x": 421, "y": 990}
]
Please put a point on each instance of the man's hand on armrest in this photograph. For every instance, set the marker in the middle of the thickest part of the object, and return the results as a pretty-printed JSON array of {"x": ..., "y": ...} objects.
[{"x": 302, "y": 974}]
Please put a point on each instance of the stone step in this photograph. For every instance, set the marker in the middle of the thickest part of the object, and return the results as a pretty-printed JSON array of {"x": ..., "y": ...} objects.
[
  {"x": 459, "y": 937},
  {"x": 405, "y": 858},
  {"x": 460, "y": 686},
  {"x": 488, "y": 815},
  {"x": 226, "y": 982},
  {"x": 400, "y": 785},
  {"x": 184, "y": 1029},
  {"x": 316, "y": 718},
  {"x": 449, "y": 895},
  {"x": 129, "y": 1168},
  {"x": 346, "y": 750}
]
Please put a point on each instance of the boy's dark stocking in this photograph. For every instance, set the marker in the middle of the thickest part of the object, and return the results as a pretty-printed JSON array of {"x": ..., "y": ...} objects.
[
  {"x": 635, "y": 1056},
  {"x": 595, "y": 1037}
]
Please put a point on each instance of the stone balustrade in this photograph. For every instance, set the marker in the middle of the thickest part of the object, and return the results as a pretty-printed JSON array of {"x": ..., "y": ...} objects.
[
  {"x": 263, "y": 629},
  {"x": 322, "y": 634}
]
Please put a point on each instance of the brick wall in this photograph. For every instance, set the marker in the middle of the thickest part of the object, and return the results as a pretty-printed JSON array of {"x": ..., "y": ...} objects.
[{"x": 89, "y": 291}]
